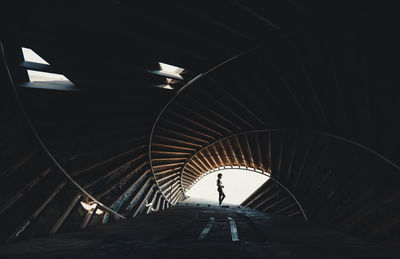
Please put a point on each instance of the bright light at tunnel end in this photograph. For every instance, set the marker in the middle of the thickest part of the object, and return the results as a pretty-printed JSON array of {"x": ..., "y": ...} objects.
[{"x": 238, "y": 185}]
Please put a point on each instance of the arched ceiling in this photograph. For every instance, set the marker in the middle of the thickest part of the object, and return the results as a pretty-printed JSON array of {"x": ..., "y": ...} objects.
[
  {"x": 303, "y": 92},
  {"x": 229, "y": 119}
]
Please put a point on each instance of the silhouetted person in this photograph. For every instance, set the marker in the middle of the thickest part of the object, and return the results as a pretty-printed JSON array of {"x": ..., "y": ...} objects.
[{"x": 220, "y": 191}]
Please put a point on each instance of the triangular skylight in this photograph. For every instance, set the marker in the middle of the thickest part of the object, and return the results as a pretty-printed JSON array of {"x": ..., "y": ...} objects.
[
  {"x": 166, "y": 86},
  {"x": 31, "y": 56},
  {"x": 39, "y": 76}
]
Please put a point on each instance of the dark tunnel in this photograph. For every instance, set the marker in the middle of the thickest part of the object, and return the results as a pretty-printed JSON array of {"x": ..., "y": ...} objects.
[{"x": 131, "y": 104}]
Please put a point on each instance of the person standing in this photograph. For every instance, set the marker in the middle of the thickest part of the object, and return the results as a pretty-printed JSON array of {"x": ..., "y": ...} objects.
[{"x": 221, "y": 194}]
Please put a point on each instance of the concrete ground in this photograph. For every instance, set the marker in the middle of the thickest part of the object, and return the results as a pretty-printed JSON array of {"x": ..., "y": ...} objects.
[{"x": 198, "y": 230}]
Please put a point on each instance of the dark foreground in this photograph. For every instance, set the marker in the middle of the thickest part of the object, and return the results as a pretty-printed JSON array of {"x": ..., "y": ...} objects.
[{"x": 191, "y": 231}]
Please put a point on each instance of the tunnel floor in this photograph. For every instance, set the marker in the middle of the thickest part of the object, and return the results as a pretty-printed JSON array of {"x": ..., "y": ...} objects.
[{"x": 193, "y": 230}]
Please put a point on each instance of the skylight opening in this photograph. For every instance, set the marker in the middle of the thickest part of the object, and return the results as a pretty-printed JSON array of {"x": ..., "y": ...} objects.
[
  {"x": 238, "y": 185},
  {"x": 169, "y": 80},
  {"x": 31, "y": 56},
  {"x": 170, "y": 70},
  {"x": 37, "y": 76},
  {"x": 166, "y": 86}
]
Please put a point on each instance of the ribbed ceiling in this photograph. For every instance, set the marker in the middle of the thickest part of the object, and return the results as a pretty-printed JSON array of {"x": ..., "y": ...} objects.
[{"x": 305, "y": 93}]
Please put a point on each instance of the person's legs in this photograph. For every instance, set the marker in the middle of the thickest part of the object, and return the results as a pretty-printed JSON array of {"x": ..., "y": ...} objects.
[{"x": 221, "y": 196}]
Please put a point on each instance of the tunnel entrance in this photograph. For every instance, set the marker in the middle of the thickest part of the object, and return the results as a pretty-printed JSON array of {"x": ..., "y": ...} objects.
[{"x": 239, "y": 183}]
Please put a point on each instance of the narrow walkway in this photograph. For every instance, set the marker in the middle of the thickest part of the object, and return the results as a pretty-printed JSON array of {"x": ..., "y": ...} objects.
[{"x": 199, "y": 231}]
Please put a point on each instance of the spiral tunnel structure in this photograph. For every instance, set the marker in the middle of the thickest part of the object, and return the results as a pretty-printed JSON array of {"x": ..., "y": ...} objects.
[{"x": 293, "y": 93}]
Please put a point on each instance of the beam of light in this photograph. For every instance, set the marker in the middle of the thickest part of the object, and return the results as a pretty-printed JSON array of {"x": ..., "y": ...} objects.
[{"x": 90, "y": 207}]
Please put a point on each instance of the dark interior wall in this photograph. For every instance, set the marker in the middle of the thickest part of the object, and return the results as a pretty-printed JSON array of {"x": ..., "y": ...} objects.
[
  {"x": 316, "y": 68},
  {"x": 323, "y": 134},
  {"x": 99, "y": 142}
]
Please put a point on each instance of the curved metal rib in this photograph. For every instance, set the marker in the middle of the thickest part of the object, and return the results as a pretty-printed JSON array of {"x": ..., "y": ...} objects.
[
  {"x": 174, "y": 97},
  {"x": 43, "y": 145}
]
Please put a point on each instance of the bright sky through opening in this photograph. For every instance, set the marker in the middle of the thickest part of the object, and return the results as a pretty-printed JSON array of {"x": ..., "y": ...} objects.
[
  {"x": 31, "y": 56},
  {"x": 170, "y": 70},
  {"x": 238, "y": 185},
  {"x": 37, "y": 76}
]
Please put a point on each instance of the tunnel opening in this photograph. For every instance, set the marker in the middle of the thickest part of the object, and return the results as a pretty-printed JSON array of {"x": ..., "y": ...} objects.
[
  {"x": 239, "y": 183},
  {"x": 286, "y": 89}
]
